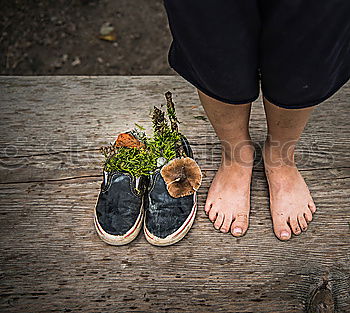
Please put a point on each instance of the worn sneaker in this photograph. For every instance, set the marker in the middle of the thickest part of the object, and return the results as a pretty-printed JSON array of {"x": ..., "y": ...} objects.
[
  {"x": 171, "y": 205},
  {"x": 120, "y": 208}
]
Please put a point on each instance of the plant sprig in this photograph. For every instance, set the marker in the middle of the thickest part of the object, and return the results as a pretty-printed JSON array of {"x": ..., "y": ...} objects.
[{"x": 165, "y": 143}]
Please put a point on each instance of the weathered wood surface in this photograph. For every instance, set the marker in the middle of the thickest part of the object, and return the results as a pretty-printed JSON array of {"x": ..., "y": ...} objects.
[{"x": 52, "y": 260}]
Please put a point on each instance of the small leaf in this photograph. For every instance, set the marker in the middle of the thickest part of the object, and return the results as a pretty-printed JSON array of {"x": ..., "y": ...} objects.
[
  {"x": 106, "y": 29},
  {"x": 139, "y": 126},
  {"x": 200, "y": 117}
]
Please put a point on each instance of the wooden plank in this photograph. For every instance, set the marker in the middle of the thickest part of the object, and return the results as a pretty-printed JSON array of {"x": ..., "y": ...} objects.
[
  {"x": 51, "y": 258},
  {"x": 93, "y": 110}
]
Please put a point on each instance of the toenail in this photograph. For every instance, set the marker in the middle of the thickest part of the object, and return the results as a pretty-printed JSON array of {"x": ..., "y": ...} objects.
[
  {"x": 237, "y": 230},
  {"x": 284, "y": 234}
]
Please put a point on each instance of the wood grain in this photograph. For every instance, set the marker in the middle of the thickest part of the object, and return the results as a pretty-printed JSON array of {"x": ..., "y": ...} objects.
[{"x": 52, "y": 260}]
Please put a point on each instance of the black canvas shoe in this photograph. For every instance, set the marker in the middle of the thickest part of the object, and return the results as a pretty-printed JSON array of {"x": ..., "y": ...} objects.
[
  {"x": 120, "y": 208},
  {"x": 167, "y": 218}
]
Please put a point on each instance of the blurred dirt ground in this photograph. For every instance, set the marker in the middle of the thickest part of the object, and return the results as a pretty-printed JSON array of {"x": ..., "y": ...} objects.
[{"x": 61, "y": 37}]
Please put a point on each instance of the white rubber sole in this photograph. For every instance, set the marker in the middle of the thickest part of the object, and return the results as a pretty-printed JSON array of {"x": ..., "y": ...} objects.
[
  {"x": 115, "y": 240},
  {"x": 178, "y": 235}
]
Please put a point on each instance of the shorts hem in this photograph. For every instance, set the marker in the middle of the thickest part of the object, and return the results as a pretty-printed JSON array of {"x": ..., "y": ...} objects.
[
  {"x": 188, "y": 78},
  {"x": 210, "y": 94},
  {"x": 309, "y": 104}
]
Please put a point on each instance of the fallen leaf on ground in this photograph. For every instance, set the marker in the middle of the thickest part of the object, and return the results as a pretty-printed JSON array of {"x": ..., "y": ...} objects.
[
  {"x": 76, "y": 61},
  {"x": 107, "y": 32},
  {"x": 111, "y": 37},
  {"x": 106, "y": 29}
]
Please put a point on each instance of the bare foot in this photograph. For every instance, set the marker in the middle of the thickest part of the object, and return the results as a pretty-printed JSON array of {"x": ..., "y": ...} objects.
[
  {"x": 291, "y": 204},
  {"x": 228, "y": 201}
]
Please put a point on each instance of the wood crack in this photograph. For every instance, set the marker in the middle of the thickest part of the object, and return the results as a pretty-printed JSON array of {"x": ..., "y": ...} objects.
[
  {"x": 48, "y": 153},
  {"x": 50, "y": 180},
  {"x": 259, "y": 170},
  {"x": 96, "y": 176}
]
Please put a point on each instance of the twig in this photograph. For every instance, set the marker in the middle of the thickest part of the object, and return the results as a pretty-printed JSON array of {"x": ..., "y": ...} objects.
[{"x": 171, "y": 112}]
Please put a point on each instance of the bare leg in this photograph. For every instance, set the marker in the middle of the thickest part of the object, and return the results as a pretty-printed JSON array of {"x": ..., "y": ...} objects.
[
  {"x": 228, "y": 201},
  {"x": 291, "y": 204}
]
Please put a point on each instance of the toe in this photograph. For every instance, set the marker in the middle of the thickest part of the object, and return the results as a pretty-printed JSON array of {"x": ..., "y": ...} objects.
[
  {"x": 281, "y": 228},
  {"x": 219, "y": 220},
  {"x": 308, "y": 216},
  {"x": 293, "y": 222},
  {"x": 212, "y": 214},
  {"x": 302, "y": 222},
  {"x": 226, "y": 224},
  {"x": 207, "y": 206},
  {"x": 312, "y": 206},
  {"x": 240, "y": 224}
]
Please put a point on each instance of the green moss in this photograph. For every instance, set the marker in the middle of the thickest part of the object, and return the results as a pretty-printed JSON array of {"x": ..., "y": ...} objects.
[
  {"x": 135, "y": 161},
  {"x": 165, "y": 143},
  {"x": 139, "y": 162}
]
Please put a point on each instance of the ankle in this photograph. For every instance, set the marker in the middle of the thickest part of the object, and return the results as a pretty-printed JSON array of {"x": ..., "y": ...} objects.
[
  {"x": 277, "y": 154},
  {"x": 241, "y": 153}
]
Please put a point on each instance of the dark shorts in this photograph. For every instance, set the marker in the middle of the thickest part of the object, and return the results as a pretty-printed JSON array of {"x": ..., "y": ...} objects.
[{"x": 298, "y": 49}]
